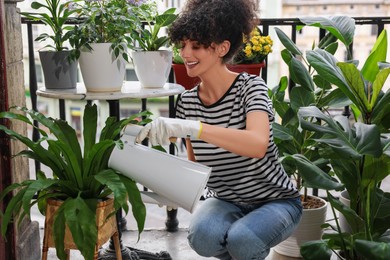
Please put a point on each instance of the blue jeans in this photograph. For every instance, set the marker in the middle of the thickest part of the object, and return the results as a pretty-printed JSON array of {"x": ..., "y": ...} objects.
[{"x": 225, "y": 230}]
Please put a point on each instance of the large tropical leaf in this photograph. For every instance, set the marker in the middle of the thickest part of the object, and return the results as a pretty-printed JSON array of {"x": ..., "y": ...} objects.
[
  {"x": 313, "y": 176},
  {"x": 342, "y": 27},
  {"x": 356, "y": 85},
  {"x": 300, "y": 75},
  {"x": 346, "y": 141},
  {"x": 372, "y": 249},
  {"x": 316, "y": 250},
  {"x": 326, "y": 66},
  {"x": 378, "y": 54},
  {"x": 287, "y": 42}
]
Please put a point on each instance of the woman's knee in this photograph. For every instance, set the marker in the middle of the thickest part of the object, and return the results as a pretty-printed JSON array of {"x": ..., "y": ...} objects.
[
  {"x": 243, "y": 245},
  {"x": 207, "y": 240}
]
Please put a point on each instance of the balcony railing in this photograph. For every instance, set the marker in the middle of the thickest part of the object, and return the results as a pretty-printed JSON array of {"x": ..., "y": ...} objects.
[{"x": 291, "y": 24}]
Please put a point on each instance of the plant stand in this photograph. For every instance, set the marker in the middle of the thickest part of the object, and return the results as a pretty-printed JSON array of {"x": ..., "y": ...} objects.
[{"x": 107, "y": 228}]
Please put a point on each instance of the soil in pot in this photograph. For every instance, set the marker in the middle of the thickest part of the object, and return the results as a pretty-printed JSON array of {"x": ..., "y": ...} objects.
[{"x": 311, "y": 202}]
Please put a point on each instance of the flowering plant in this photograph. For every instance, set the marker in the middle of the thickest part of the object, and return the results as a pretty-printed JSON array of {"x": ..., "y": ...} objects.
[
  {"x": 107, "y": 21},
  {"x": 254, "y": 49}
]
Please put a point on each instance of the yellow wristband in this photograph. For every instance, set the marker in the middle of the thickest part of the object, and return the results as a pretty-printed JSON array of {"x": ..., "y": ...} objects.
[{"x": 200, "y": 129}]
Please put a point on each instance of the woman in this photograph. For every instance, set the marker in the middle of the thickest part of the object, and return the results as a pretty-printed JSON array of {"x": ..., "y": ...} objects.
[{"x": 251, "y": 205}]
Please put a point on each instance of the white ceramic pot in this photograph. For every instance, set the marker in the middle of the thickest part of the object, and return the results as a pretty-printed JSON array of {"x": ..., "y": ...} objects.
[
  {"x": 101, "y": 70},
  {"x": 152, "y": 67},
  {"x": 344, "y": 226},
  {"x": 308, "y": 229}
]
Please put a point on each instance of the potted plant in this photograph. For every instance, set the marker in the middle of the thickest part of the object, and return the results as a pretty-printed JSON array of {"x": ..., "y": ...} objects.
[
  {"x": 60, "y": 71},
  {"x": 359, "y": 154},
  {"x": 149, "y": 52},
  {"x": 81, "y": 177},
  {"x": 295, "y": 144},
  {"x": 103, "y": 37},
  {"x": 253, "y": 53}
]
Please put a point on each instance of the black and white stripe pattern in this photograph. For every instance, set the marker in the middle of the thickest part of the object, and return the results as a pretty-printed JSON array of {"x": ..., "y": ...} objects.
[{"x": 237, "y": 178}]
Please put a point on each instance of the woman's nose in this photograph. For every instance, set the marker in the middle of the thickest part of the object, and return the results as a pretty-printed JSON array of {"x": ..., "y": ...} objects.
[{"x": 185, "y": 52}]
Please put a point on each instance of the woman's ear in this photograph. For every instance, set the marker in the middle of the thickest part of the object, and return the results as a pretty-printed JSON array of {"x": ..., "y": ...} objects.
[{"x": 223, "y": 48}]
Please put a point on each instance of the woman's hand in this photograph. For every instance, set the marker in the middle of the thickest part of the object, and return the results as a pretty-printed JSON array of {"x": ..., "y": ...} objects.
[{"x": 162, "y": 129}]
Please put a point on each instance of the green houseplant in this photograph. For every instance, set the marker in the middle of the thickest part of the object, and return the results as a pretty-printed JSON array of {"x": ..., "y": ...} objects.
[
  {"x": 148, "y": 50},
  {"x": 295, "y": 144},
  {"x": 81, "y": 177},
  {"x": 359, "y": 153},
  {"x": 58, "y": 62},
  {"x": 103, "y": 38}
]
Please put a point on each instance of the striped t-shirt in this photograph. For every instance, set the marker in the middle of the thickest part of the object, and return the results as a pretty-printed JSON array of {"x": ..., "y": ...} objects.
[{"x": 237, "y": 178}]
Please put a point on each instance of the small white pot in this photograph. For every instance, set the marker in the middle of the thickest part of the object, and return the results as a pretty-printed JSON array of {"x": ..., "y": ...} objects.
[
  {"x": 152, "y": 67},
  {"x": 101, "y": 70},
  {"x": 344, "y": 226},
  {"x": 309, "y": 229}
]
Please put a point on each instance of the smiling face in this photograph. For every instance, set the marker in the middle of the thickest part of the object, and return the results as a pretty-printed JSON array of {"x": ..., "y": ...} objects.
[{"x": 199, "y": 59}]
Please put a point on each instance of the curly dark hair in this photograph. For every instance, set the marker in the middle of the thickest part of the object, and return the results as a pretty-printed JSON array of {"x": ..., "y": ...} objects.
[{"x": 214, "y": 21}]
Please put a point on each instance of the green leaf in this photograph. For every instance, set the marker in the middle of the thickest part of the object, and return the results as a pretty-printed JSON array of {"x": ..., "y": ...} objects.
[
  {"x": 287, "y": 42},
  {"x": 59, "y": 224},
  {"x": 356, "y": 85},
  {"x": 316, "y": 250},
  {"x": 33, "y": 188},
  {"x": 300, "y": 75},
  {"x": 13, "y": 207},
  {"x": 301, "y": 97},
  {"x": 353, "y": 219},
  {"x": 110, "y": 178},
  {"x": 90, "y": 126},
  {"x": 348, "y": 142},
  {"x": 372, "y": 249},
  {"x": 80, "y": 216},
  {"x": 137, "y": 205},
  {"x": 378, "y": 54},
  {"x": 342, "y": 27},
  {"x": 378, "y": 84},
  {"x": 313, "y": 176},
  {"x": 326, "y": 66}
]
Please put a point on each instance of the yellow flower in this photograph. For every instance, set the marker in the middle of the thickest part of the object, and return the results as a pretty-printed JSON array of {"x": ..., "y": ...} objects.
[{"x": 254, "y": 49}]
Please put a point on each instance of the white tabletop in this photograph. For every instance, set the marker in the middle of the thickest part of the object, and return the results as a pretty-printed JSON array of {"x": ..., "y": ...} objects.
[{"x": 130, "y": 89}]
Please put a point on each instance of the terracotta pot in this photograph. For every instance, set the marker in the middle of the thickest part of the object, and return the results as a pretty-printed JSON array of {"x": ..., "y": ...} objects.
[
  {"x": 249, "y": 68},
  {"x": 188, "y": 82},
  {"x": 182, "y": 77}
]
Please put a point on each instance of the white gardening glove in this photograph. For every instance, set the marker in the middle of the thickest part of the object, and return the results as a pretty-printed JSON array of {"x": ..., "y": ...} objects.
[{"x": 161, "y": 129}]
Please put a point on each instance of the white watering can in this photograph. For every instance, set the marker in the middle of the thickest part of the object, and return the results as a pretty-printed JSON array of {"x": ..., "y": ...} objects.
[{"x": 173, "y": 181}]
